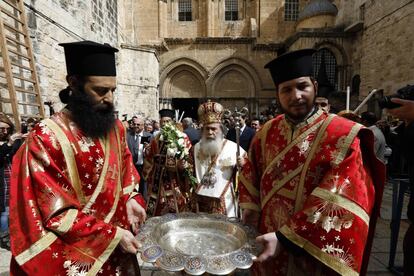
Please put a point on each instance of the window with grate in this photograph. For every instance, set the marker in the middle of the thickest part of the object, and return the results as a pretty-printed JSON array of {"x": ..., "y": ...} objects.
[
  {"x": 330, "y": 65},
  {"x": 184, "y": 10},
  {"x": 291, "y": 10},
  {"x": 231, "y": 10}
]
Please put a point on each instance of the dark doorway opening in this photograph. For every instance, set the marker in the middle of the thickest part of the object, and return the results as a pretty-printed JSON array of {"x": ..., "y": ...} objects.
[{"x": 188, "y": 105}]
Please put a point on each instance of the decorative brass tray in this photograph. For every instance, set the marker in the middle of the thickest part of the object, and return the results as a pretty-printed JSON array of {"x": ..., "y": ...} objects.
[{"x": 197, "y": 243}]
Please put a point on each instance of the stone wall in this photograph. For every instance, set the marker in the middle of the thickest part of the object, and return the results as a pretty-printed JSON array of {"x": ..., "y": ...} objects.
[
  {"x": 369, "y": 38},
  {"x": 159, "y": 19},
  {"x": 138, "y": 67},
  {"x": 387, "y": 45},
  {"x": 52, "y": 22},
  {"x": 137, "y": 89},
  {"x": 225, "y": 70}
]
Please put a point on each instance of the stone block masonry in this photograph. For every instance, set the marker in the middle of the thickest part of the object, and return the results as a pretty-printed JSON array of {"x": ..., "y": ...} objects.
[{"x": 52, "y": 22}]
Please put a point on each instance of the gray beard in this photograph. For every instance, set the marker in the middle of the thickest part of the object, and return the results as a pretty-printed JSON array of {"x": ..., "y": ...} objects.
[{"x": 211, "y": 147}]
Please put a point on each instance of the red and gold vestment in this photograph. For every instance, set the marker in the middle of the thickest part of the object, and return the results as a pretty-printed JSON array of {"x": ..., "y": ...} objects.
[
  {"x": 168, "y": 187},
  {"x": 313, "y": 183},
  {"x": 68, "y": 200}
]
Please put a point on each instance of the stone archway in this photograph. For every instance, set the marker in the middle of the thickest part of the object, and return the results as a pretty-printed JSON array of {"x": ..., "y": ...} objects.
[
  {"x": 183, "y": 78},
  {"x": 342, "y": 62},
  {"x": 235, "y": 83},
  {"x": 337, "y": 50},
  {"x": 233, "y": 78}
]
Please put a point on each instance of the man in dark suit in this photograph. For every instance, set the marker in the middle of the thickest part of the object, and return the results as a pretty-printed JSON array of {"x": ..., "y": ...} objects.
[
  {"x": 192, "y": 133},
  {"x": 137, "y": 139},
  {"x": 246, "y": 134}
]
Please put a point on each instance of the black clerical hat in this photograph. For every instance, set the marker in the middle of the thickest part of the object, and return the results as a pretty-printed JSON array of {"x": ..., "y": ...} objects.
[
  {"x": 88, "y": 58},
  {"x": 291, "y": 65},
  {"x": 167, "y": 113}
]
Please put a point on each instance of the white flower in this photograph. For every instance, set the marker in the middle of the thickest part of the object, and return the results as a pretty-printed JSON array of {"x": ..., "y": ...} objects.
[
  {"x": 161, "y": 138},
  {"x": 171, "y": 151}
]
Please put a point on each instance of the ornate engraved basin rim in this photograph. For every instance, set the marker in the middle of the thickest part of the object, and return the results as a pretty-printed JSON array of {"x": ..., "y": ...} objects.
[{"x": 197, "y": 243}]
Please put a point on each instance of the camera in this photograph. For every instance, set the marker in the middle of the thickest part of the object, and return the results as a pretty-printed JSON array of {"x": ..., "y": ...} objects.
[
  {"x": 406, "y": 93},
  {"x": 23, "y": 128}
]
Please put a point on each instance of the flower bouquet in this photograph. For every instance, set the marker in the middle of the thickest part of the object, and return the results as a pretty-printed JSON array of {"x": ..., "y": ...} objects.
[{"x": 175, "y": 142}]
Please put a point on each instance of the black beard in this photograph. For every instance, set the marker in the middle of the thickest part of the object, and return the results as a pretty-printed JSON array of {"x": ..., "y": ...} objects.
[{"x": 94, "y": 119}]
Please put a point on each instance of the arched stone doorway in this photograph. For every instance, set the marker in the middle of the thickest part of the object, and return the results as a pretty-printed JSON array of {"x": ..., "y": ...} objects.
[
  {"x": 339, "y": 60},
  {"x": 183, "y": 78},
  {"x": 234, "y": 83},
  {"x": 325, "y": 71},
  {"x": 183, "y": 86}
]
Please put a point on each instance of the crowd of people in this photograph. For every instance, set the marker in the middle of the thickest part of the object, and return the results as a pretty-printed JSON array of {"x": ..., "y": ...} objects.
[{"x": 84, "y": 182}]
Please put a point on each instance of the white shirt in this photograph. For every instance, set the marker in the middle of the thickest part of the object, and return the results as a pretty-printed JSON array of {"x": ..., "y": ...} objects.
[
  {"x": 140, "y": 159},
  {"x": 242, "y": 129}
]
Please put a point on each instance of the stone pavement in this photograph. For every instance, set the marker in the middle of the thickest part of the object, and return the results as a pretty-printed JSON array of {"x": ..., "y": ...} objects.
[{"x": 380, "y": 250}]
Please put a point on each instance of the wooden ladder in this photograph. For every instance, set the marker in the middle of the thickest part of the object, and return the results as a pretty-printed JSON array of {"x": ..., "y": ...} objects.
[{"x": 19, "y": 88}]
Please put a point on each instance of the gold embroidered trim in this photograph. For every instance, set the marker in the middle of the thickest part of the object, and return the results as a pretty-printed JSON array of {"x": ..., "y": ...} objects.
[
  {"x": 128, "y": 189},
  {"x": 250, "y": 205},
  {"x": 105, "y": 255},
  {"x": 250, "y": 188},
  {"x": 348, "y": 140},
  {"x": 67, "y": 221},
  {"x": 69, "y": 158},
  {"x": 342, "y": 202},
  {"x": 132, "y": 195},
  {"x": 321, "y": 132},
  {"x": 262, "y": 135},
  {"x": 309, "y": 119},
  {"x": 289, "y": 147},
  {"x": 101, "y": 181},
  {"x": 36, "y": 248},
  {"x": 290, "y": 194},
  {"x": 118, "y": 184},
  {"x": 316, "y": 252},
  {"x": 279, "y": 184}
]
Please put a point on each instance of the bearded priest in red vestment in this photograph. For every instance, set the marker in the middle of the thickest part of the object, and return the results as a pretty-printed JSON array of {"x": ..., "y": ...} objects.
[
  {"x": 312, "y": 184},
  {"x": 74, "y": 186},
  {"x": 165, "y": 168}
]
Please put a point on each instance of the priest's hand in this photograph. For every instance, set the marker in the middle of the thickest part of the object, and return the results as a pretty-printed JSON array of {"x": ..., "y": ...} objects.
[
  {"x": 136, "y": 214},
  {"x": 271, "y": 245},
  {"x": 128, "y": 242}
]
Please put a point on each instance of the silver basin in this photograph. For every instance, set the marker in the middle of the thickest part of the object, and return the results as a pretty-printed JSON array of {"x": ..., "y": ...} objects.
[{"x": 197, "y": 243}]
